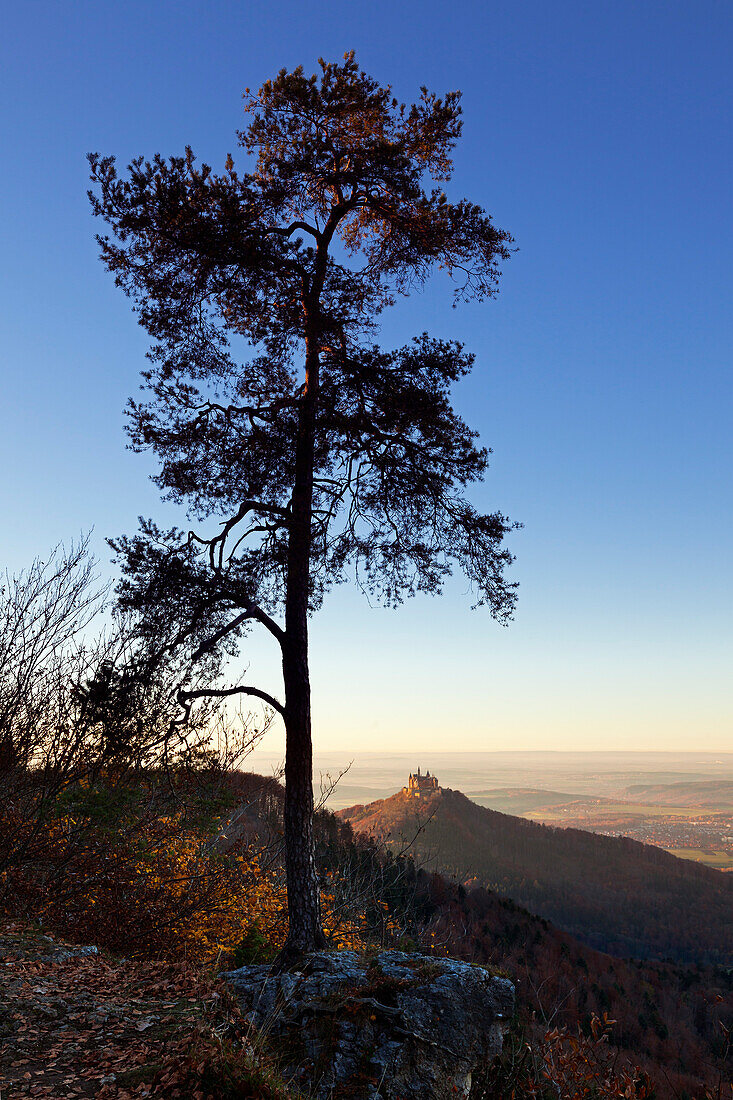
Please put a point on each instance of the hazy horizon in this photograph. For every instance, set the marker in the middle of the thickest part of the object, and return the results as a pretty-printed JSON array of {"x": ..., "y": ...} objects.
[{"x": 372, "y": 774}]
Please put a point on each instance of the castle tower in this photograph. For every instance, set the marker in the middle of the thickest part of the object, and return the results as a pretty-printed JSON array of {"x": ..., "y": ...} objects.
[{"x": 419, "y": 785}]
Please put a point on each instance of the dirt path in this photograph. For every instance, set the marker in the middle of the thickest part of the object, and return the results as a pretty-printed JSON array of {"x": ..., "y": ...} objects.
[{"x": 75, "y": 1022}]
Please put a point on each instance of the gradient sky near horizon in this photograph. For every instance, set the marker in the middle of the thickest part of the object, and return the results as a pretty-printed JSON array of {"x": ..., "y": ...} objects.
[{"x": 600, "y": 136}]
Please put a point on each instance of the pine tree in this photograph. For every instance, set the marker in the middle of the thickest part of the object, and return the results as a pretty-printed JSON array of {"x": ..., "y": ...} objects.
[{"x": 321, "y": 454}]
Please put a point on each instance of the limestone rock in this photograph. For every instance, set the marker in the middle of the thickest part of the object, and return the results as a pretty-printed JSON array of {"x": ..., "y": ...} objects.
[{"x": 395, "y": 1027}]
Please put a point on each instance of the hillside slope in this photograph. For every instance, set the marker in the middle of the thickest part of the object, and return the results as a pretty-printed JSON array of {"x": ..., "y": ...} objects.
[
  {"x": 615, "y": 894},
  {"x": 667, "y": 1017}
]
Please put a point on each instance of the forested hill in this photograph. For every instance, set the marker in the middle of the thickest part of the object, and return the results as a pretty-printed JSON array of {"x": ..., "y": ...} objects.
[{"x": 617, "y": 895}]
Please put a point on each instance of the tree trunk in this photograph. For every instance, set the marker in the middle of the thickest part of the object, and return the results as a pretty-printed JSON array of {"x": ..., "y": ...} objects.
[{"x": 304, "y": 916}]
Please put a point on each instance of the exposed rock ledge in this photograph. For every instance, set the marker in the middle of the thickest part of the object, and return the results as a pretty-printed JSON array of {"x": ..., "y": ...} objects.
[{"x": 393, "y": 1027}]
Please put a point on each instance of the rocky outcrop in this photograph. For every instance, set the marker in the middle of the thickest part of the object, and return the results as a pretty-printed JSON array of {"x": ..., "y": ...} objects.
[{"x": 393, "y": 1027}]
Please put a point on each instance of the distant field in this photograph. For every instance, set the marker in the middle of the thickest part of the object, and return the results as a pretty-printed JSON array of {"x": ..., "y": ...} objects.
[
  {"x": 723, "y": 861},
  {"x": 603, "y": 807},
  {"x": 706, "y": 793},
  {"x": 520, "y": 800},
  {"x": 553, "y": 806}
]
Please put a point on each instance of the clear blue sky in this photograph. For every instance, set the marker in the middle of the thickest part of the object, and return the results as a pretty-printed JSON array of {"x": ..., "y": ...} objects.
[{"x": 599, "y": 134}]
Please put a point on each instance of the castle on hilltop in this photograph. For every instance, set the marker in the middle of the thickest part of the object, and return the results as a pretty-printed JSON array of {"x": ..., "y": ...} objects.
[{"x": 420, "y": 785}]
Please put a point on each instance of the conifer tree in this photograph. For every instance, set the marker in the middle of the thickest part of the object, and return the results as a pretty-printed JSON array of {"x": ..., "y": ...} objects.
[{"x": 269, "y": 405}]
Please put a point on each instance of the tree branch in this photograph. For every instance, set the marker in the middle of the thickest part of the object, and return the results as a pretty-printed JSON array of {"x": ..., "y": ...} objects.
[
  {"x": 223, "y": 693},
  {"x": 251, "y": 612},
  {"x": 268, "y": 622},
  {"x": 260, "y": 411},
  {"x": 285, "y": 231}
]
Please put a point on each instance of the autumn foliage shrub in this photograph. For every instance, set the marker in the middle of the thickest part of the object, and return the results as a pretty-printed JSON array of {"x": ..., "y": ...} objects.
[
  {"x": 148, "y": 868},
  {"x": 127, "y": 866},
  {"x": 562, "y": 1064}
]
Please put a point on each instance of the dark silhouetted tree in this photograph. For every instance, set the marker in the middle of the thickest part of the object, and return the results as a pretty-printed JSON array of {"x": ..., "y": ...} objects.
[{"x": 320, "y": 454}]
